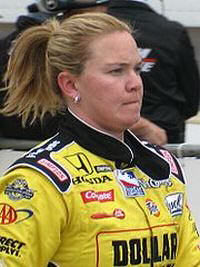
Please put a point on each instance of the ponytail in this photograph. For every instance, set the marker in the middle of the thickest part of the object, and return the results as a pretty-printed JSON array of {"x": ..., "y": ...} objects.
[{"x": 30, "y": 91}]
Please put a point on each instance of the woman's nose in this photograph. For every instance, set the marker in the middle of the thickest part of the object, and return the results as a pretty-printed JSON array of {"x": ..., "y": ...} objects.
[{"x": 134, "y": 82}]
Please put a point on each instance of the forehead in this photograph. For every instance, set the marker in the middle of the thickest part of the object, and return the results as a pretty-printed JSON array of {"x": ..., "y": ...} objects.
[{"x": 114, "y": 46}]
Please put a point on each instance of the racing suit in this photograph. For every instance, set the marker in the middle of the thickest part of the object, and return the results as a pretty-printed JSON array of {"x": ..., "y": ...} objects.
[
  {"x": 170, "y": 73},
  {"x": 84, "y": 198}
]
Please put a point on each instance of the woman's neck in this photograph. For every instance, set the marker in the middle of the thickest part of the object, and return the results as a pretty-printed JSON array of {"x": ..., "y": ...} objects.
[{"x": 119, "y": 136}]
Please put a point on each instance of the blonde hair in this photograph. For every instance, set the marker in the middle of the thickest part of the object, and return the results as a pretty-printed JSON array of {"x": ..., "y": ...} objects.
[{"x": 42, "y": 52}]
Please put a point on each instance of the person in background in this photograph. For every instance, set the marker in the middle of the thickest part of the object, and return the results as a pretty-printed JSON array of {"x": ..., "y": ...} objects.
[
  {"x": 170, "y": 73},
  {"x": 94, "y": 194},
  {"x": 38, "y": 12}
]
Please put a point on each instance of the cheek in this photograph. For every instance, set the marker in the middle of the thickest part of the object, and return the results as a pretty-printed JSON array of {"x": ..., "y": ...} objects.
[{"x": 103, "y": 89}]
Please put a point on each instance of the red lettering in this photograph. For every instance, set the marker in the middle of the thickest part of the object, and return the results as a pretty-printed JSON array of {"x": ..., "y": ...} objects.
[
  {"x": 7, "y": 214},
  {"x": 101, "y": 196}
]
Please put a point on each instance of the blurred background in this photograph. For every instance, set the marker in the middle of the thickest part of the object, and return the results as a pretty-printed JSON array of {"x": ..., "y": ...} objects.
[{"x": 187, "y": 12}]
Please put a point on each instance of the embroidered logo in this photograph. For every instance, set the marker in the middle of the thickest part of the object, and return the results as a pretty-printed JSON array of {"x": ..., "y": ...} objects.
[
  {"x": 153, "y": 208},
  {"x": 9, "y": 215},
  {"x": 130, "y": 184},
  {"x": 117, "y": 213},
  {"x": 174, "y": 203},
  {"x": 170, "y": 160},
  {"x": 81, "y": 163},
  {"x": 151, "y": 183},
  {"x": 9, "y": 246},
  {"x": 101, "y": 196},
  {"x": 148, "y": 62},
  {"x": 93, "y": 180},
  {"x": 103, "y": 168},
  {"x": 18, "y": 190},
  {"x": 50, "y": 147},
  {"x": 54, "y": 169}
]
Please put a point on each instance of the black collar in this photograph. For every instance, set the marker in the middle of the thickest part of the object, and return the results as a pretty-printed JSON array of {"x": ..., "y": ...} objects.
[{"x": 125, "y": 154}]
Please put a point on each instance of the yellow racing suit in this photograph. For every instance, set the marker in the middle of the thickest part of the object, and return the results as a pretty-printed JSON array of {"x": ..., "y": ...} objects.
[{"x": 83, "y": 198}]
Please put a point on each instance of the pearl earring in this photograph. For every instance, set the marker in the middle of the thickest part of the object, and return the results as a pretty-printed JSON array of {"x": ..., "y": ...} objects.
[{"x": 77, "y": 99}]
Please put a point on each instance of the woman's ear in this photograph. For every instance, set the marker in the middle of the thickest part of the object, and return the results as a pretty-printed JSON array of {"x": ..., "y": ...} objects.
[{"x": 66, "y": 82}]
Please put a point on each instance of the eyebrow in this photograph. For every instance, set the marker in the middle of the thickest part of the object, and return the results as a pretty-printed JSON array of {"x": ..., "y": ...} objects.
[{"x": 124, "y": 64}]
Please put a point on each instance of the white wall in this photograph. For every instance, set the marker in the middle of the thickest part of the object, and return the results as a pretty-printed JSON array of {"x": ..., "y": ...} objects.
[
  {"x": 185, "y": 11},
  {"x": 11, "y": 9}
]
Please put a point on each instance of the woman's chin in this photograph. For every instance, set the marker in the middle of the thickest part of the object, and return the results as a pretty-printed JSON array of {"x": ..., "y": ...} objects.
[
  {"x": 131, "y": 122},
  {"x": 135, "y": 119}
]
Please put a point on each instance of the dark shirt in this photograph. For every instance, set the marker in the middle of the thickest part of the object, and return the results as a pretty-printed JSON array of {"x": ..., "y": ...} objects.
[{"x": 170, "y": 73}]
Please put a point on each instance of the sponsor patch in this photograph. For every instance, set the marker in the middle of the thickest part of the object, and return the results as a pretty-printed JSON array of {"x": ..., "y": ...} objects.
[
  {"x": 174, "y": 203},
  {"x": 50, "y": 147},
  {"x": 11, "y": 246},
  {"x": 152, "y": 207},
  {"x": 170, "y": 160},
  {"x": 117, "y": 213},
  {"x": 151, "y": 183},
  {"x": 101, "y": 196},
  {"x": 18, "y": 190},
  {"x": 54, "y": 169},
  {"x": 103, "y": 168},
  {"x": 138, "y": 251},
  {"x": 9, "y": 215},
  {"x": 93, "y": 180},
  {"x": 129, "y": 183},
  {"x": 81, "y": 163}
]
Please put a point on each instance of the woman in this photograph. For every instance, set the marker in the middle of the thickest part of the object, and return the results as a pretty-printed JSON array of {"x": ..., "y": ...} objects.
[{"x": 93, "y": 194}]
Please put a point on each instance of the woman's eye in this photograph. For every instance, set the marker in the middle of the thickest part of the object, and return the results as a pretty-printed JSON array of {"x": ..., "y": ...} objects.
[{"x": 116, "y": 71}]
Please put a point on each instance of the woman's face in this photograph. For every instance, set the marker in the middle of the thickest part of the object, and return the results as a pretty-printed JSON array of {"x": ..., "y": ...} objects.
[{"x": 110, "y": 86}]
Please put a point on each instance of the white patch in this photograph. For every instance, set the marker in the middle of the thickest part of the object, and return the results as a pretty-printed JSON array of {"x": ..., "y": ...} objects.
[
  {"x": 129, "y": 183},
  {"x": 174, "y": 203}
]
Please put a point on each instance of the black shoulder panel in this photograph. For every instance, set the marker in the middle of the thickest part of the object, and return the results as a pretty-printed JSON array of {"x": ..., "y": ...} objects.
[
  {"x": 39, "y": 158},
  {"x": 175, "y": 165}
]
